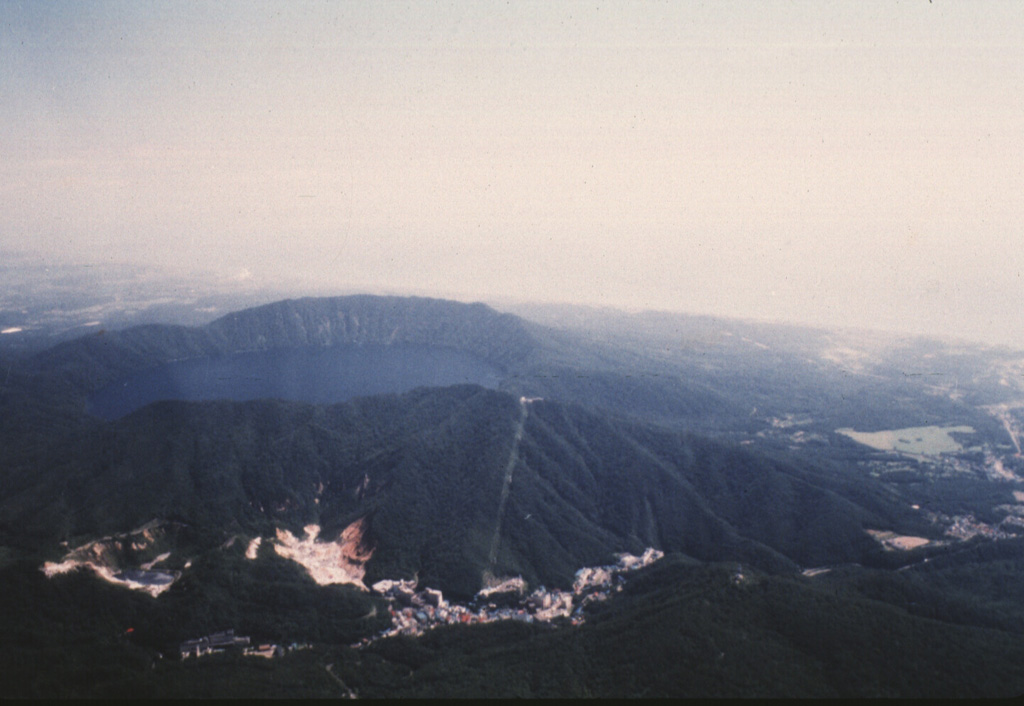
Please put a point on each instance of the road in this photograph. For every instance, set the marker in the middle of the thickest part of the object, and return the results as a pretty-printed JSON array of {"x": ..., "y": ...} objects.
[
  {"x": 513, "y": 457},
  {"x": 348, "y": 692}
]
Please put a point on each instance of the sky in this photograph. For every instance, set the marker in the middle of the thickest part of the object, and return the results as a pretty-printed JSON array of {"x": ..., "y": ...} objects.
[{"x": 832, "y": 163}]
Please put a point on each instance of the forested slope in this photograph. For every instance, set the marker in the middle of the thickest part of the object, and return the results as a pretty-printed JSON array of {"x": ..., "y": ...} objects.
[{"x": 426, "y": 469}]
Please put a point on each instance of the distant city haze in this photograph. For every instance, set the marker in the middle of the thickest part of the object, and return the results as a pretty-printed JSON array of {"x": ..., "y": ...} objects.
[{"x": 841, "y": 163}]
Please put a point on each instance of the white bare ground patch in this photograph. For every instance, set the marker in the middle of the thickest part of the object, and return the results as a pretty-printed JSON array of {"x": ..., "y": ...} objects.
[
  {"x": 891, "y": 540},
  {"x": 254, "y": 547},
  {"x": 51, "y": 569},
  {"x": 104, "y": 558},
  {"x": 150, "y": 564},
  {"x": 1018, "y": 495},
  {"x": 341, "y": 561},
  {"x": 514, "y": 584},
  {"x": 114, "y": 576}
]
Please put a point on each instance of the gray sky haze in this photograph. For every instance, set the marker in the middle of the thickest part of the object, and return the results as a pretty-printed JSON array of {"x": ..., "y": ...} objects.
[{"x": 851, "y": 163}]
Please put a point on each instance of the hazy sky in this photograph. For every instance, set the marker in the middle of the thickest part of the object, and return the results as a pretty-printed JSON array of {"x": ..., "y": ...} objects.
[{"x": 827, "y": 162}]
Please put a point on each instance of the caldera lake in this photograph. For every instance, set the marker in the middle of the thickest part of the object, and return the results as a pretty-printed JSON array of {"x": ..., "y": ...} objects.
[{"x": 318, "y": 375}]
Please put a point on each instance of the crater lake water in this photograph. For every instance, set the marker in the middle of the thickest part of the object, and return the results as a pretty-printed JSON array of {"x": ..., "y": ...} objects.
[{"x": 318, "y": 375}]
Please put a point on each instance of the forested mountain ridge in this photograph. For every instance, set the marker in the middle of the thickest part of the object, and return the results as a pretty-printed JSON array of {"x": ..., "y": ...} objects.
[
  {"x": 532, "y": 359},
  {"x": 575, "y": 448},
  {"x": 97, "y": 359},
  {"x": 426, "y": 469}
]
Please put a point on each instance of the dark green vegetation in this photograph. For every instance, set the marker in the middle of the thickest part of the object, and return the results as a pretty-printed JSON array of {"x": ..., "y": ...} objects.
[
  {"x": 720, "y": 450},
  {"x": 426, "y": 470},
  {"x": 691, "y": 630},
  {"x": 680, "y": 628},
  {"x": 77, "y": 636}
]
